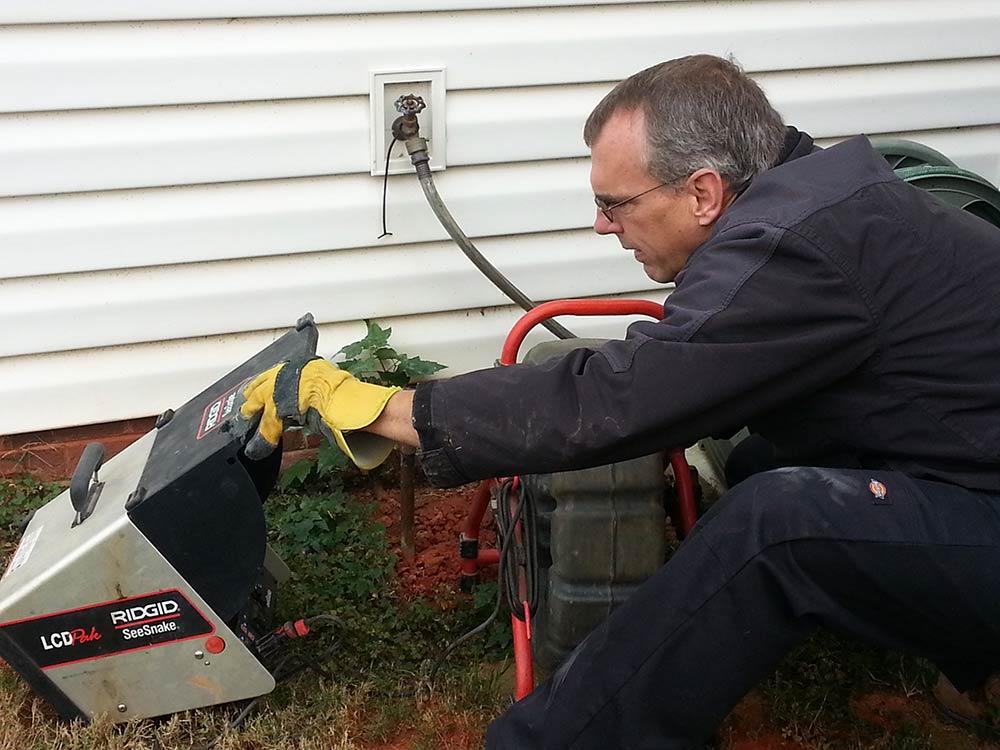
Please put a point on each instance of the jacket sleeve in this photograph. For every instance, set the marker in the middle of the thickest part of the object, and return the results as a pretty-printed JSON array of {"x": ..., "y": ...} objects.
[{"x": 759, "y": 317}]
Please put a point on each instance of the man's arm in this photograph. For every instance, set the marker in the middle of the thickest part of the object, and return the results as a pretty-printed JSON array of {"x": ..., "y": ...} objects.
[
  {"x": 396, "y": 420},
  {"x": 746, "y": 331}
]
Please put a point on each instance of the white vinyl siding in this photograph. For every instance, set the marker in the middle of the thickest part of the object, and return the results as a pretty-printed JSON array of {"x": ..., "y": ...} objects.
[
  {"x": 180, "y": 180},
  {"x": 75, "y": 151},
  {"x": 73, "y": 66},
  {"x": 54, "y": 11}
]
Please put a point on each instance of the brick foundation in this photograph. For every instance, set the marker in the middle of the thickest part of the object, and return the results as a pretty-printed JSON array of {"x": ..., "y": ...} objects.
[{"x": 53, "y": 454}]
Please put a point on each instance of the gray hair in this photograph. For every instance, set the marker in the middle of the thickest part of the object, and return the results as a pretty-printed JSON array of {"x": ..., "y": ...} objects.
[{"x": 700, "y": 112}]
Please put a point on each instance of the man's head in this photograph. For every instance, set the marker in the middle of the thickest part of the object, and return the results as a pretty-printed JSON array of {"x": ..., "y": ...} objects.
[{"x": 692, "y": 132}]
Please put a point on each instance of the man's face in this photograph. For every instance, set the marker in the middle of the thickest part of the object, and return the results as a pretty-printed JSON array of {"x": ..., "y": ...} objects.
[{"x": 660, "y": 227}]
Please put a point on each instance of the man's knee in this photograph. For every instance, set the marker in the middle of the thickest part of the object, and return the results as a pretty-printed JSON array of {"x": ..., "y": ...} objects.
[{"x": 773, "y": 507}]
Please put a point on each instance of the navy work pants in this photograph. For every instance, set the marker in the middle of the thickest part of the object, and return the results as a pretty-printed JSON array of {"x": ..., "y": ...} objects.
[{"x": 783, "y": 552}]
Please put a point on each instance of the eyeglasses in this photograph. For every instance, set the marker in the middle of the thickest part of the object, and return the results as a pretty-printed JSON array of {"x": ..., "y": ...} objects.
[{"x": 606, "y": 210}]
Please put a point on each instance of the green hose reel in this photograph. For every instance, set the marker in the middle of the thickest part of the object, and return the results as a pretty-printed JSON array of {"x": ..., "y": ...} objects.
[
  {"x": 901, "y": 153},
  {"x": 934, "y": 172},
  {"x": 957, "y": 187}
]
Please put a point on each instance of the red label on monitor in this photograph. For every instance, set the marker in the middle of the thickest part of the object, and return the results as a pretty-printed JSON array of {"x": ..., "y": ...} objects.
[
  {"x": 221, "y": 409},
  {"x": 108, "y": 628}
]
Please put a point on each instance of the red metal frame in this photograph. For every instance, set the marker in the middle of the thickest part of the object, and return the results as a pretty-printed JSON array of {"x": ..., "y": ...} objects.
[{"x": 474, "y": 558}]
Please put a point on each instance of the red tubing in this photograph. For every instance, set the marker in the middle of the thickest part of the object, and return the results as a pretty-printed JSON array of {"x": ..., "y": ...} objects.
[
  {"x": 480, "y": 502},
  {"x": 488, "y": 557},
  {"x": 572, "y": 307},
  {"x": 471, "y": 525},
  {"x": 685, "y": 491},
  {"x": 524, "y": 678}
]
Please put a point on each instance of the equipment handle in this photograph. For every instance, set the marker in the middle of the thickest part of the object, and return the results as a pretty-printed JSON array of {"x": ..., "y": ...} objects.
[
  {"x": 546, "y": 310},
  {"x": 85, "y": 471}
]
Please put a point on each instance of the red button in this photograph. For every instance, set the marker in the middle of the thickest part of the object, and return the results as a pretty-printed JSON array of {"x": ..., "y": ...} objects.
[{"x": 215, "y": 645}]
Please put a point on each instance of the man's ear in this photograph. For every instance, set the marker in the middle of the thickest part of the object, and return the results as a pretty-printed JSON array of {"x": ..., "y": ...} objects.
[{"x": 710, "y": 195}]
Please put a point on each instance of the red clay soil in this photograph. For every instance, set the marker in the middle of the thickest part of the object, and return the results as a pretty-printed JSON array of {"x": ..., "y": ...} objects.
[
  {"x": 436, "y": 567},
  {"x": 743, "y": 729}
]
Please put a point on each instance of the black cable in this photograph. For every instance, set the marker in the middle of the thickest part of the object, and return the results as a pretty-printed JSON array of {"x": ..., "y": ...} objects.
[
  {"x": 506, "y": 524},
  {"x": 450, "y": 648},
  {"x": 385, "y": 189},
  {"x": 505, "y": 549},
  {"x": 417, "y": 148},
  {"x": 235, "y": 723},
  {"x": 280, "y": 675}
]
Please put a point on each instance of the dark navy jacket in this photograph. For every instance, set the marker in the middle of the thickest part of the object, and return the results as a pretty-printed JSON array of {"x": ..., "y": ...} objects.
[{"x": 852, "y": 319}]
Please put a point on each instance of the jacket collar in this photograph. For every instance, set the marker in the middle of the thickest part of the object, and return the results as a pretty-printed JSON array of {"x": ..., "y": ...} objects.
[{"x": 797, "y": 144}]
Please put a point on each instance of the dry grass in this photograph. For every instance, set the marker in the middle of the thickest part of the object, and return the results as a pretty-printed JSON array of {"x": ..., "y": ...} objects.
[{"x": 307, "y": 714}]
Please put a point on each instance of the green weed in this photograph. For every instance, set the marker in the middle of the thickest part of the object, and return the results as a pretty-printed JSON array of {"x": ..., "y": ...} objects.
[
  {"x": 372, "y": 359},
  {"x": 342, "y": 564},
  {"x": 19, "y": 496}
]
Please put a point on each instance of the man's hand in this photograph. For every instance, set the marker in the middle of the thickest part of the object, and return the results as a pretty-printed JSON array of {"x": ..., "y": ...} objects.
[{"x": 329, "y": 400}]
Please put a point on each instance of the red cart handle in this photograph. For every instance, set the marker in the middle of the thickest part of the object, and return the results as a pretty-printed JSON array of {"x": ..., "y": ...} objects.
[{"x": 551, "y": 309}]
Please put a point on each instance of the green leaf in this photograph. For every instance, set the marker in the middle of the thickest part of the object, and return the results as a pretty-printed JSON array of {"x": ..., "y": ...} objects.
[
  {"x": 387, "y": 352},
  {"x": 377, "y": 336},
  {"x": 361, "y": 367},
  {"x": 352, "y": 350},
  {"x": 20, "y": 495},
  {"x": 397, "y": 377},
  {"x": 301, "y": 530},
  {"x": 418, "y": 368},
  {"x": 297, "y": 473}
]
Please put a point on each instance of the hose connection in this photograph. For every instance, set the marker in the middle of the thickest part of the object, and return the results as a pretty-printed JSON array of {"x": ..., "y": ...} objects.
[
  {"x": 406, "y": 128},
  {"x": 267, "y": 645},
  {"x": 406, "y": 125}
]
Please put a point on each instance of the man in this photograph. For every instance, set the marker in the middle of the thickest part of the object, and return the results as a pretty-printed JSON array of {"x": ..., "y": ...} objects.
[{"x": 848, "y": 318}]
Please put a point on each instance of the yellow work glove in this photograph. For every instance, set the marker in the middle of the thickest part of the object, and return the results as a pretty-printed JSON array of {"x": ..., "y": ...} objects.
[{"x": 321, "y": 395}]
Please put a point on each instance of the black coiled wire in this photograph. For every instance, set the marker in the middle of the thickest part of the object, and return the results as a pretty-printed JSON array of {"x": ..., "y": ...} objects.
[
  {"x": 513, "y": 558},
  {"x": 523, "y": 550}
]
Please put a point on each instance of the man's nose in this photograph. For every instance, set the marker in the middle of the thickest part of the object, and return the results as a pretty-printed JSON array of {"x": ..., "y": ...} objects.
[{"x": 603, "y": 226}]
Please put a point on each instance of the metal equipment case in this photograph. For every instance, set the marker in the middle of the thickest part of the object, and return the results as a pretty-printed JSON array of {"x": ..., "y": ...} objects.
[{"x": 143, "y": 589}]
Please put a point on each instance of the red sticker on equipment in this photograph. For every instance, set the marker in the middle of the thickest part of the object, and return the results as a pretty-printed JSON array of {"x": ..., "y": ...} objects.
[
  {"x": 108, "y": 628},
  {"x": 220, "y": 410}
]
